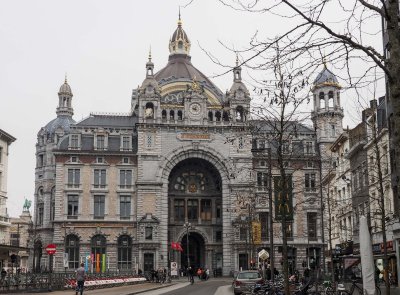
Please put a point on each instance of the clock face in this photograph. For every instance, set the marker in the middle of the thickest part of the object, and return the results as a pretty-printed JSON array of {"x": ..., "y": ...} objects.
[{"x": 195, "y": 108}]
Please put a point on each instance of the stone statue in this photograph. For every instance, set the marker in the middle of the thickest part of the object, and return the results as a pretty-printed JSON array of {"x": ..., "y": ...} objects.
[{"x": 27, "y": 205}]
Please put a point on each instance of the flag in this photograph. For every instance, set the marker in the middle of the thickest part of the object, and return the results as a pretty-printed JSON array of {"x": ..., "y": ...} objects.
[
  {"x": 179, "y": 247},
  {"x": 173, "y": 246}
]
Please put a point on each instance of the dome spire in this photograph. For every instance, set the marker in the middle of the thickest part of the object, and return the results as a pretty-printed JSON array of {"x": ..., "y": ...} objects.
[{"x": 179, "y": 42}]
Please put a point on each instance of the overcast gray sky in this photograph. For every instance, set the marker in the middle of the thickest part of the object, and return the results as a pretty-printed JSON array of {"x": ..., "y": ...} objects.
[{"x": 103, "y": 47}]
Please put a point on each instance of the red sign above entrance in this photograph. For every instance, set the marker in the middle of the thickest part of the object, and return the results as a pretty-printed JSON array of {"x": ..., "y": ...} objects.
[{"x": 51, "y": 249}]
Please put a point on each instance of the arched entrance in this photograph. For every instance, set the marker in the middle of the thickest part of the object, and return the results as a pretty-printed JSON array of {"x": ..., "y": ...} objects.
[
  {"x": 196, "y": 251},
  {"x": 195, "y": 197}
]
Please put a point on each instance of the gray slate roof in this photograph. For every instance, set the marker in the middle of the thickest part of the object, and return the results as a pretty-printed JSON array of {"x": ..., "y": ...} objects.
[
  {"x": 325, "y": 76},
  {"x": 108, "y": 121},
  {"x": 63, "y": 122}
]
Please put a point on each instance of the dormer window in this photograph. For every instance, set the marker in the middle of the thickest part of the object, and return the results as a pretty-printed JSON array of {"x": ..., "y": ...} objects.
[
  {"x": 74, "y": 141},
  {"x": 126, "y": 143},
  {"x": 100, "y": 142}
]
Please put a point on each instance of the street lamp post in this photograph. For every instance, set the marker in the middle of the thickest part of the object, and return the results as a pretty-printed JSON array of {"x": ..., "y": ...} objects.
[{"x": 187, "y": 226}]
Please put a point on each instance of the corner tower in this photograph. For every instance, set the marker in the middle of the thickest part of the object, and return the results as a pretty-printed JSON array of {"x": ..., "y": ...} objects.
[{"x": 327, "y": 115}]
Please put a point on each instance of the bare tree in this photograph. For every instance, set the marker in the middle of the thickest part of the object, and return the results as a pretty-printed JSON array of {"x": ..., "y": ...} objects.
[{"x": 278, "y": 117}]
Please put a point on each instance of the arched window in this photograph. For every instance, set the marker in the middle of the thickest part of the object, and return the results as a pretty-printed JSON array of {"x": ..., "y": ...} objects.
[
  {"x": 149, "y": 111},
  {"x": 226, "y": 116},
  {"x": 322, "y": 100},
  {"x": 180, "y": 44},
  {"x": 210, "y": 116},
  {"x": 124, "y": 252},
  {"x": 239, "y": 114},
  {"x": 172, "y": 115},
  {"x": 72, "y": 248},
  {"x": 180, "y": 116},
  {"x": 330, "y": 99},
  {"x": 338, "y": 98},
  {"x": 98, "y": 244},
  {"x": 218, "y": 116},
  {"x": 164, "y": 115}
]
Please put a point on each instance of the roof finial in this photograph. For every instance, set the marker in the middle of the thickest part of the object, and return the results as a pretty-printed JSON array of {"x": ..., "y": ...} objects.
[
  {"x": 324, "y": 61},
  {"x": 150, "y": 54},
  {"x": 179, "y": 18},
  {"x": 65, "y": 81},
  {"x": 237, "y": 59}
]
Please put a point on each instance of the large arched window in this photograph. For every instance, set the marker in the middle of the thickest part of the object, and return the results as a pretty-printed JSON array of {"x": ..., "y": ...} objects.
[
  {"x": 124, "y": 253},
  {"x": 99, "y": 253},
  {"x": 72, "y": 248}
]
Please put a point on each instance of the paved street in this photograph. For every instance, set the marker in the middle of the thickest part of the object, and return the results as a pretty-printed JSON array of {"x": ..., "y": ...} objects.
[{"x": 219, "y": 286}]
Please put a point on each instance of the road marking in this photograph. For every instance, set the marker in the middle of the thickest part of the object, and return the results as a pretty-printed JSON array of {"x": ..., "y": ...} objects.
[{"x": 165, "y": 290}]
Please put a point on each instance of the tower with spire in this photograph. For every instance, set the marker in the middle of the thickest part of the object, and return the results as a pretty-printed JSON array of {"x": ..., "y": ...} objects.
[
  {"x": 327, "y": 115},
  {"x": 65, "y": 100},
  {"x": 238, "y": 96}
]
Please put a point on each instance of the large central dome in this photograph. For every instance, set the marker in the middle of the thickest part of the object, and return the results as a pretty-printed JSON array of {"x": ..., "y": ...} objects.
[{"x": 180, "y": 71}]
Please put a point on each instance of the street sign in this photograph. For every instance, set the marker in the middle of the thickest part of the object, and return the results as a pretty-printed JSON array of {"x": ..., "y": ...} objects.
[
  {"x": 264, "y": 255},
  {"x": 65, "y": 259},
  {"x": 51, "y": 249},
  {"x": 174, "y": 269}
]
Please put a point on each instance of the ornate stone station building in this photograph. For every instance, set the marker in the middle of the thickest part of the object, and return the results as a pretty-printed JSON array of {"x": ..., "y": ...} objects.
[{"x": 119, "y": 188}]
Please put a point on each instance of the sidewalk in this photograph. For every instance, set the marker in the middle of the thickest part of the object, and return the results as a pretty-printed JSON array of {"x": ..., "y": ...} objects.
[{"x": 121, "y": 290}]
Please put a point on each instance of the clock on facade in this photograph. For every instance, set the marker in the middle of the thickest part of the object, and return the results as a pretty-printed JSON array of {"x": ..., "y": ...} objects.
[{"x": 195, "y": 108}]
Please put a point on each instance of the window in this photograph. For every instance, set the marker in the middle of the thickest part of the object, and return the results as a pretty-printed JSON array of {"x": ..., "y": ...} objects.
[
  {"x": 309, "y": 148},
  {"x": 218, "y": 236},
  {"x": 312, "y": 225},
  {"x": 74, "y": 141},
  {"x": 205, "y": 213},
  {"x": 289, "y": 229},
  {"x": 192, "y": 209},
  {"x": 263, "y": 217},
  {"x": 164, "y": 114},
  {"x": 218, "y": 210},
  {"x": 179, "y": 207},
  {"x": 333, "y": 131},
  {"x": 171, "y": 115},
  {"x": 72, "y": 248},
  {"x": 125, "y": 160},
  {"x": 99, "y": 204},
  {"x": 99, "y": 178},
  {"x": 124, "y": 253},
  {"x": 243, "y": 234},
  {"x": 100, "y": 142},
  {"x": 261, "y": 144},
  {"x": 310, "y": 164},
  {"x": 241, "y": 143},
  {"x": 52, "y": 204},
  {"x": 149, "y": 140},
  {"x": 285, "y": 147},
  {"x": 322, "y": 100},
  {"x": 74, "y": 178},
  {"x": 40, "y": 214},
  {"x": 14, "y": 239},
  {"x": 148, "y": 233},
  {"x": 309, "y": 182},
  {"x": 262, "y": 181},
  {"x": 98, "y": 245},
  {"x": 180, "y": 116},
  {"x": 40, "y": 161},
  {"x": 74, "y": 159},
  {"x": 125, "y": 207},
  {"x": 1, "y": 154},
  {"x": 100, "y": 160},
  {"x": 125, "y": 179},
  {"x": 126, "y": 143},
  {"x": 72, "y": 206}
]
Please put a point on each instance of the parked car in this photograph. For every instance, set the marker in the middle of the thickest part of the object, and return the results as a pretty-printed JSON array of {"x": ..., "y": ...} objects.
[{"x": 245, "y": 280}]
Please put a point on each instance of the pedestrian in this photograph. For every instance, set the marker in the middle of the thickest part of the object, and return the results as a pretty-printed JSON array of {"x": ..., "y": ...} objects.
[{"x": 80, "y": 279}]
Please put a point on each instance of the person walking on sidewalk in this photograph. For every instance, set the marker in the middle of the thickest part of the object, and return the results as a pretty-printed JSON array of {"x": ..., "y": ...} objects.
[{"x": 80, "y": 279}]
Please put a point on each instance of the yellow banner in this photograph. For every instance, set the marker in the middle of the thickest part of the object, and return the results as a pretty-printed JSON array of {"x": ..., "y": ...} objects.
[{"x": 256, "y": 228}]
